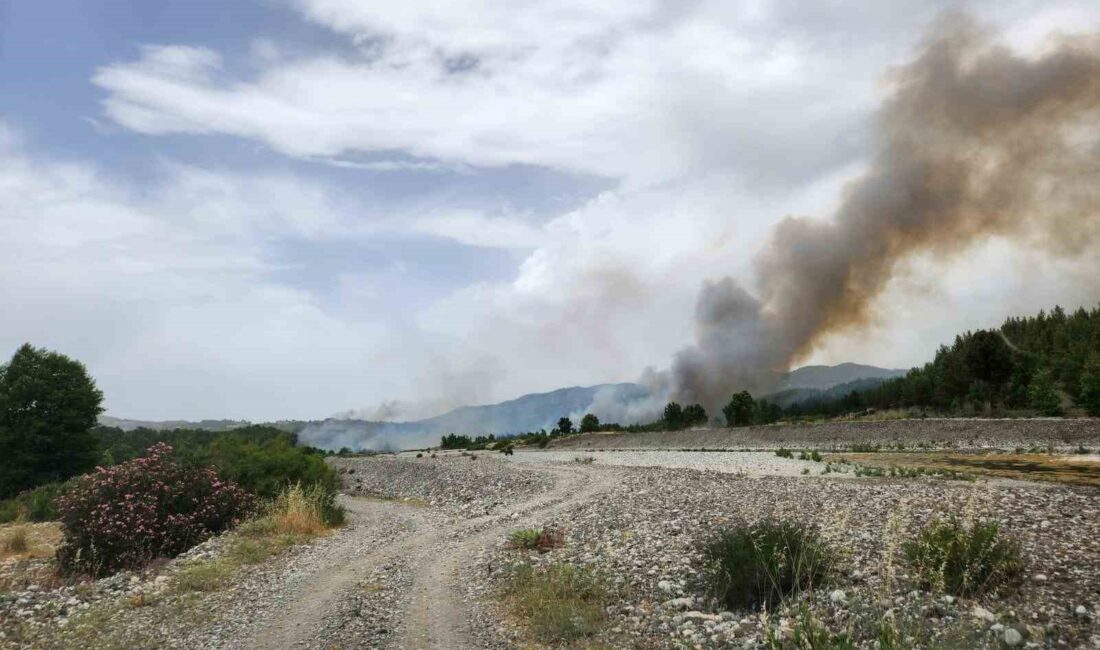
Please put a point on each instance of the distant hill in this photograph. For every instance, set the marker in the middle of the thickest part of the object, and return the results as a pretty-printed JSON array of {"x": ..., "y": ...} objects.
[
  {"x": 525, "y": 413},
  {"x": 807, "y": 396},
  {"x": 162, "y": 425},
  {"x": 825, "y": 377}
]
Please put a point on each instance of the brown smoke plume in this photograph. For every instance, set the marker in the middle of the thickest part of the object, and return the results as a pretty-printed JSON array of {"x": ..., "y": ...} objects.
[{"x": 976, "y": 141}]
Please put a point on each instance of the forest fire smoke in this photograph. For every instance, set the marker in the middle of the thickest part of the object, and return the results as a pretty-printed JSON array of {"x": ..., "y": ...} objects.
[{"x": 975, "y": 141}]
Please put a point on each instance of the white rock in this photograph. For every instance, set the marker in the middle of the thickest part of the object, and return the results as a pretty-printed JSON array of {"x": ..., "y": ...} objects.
[
  {"x": 838, "y": 597},
  {"x": 1013, "y": 638},
  {"x": 665, "y": 585},
  {"x": 983, "y": 614}
]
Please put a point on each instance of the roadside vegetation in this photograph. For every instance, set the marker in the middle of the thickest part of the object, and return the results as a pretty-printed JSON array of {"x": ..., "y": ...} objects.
[
  {"x": 561, "y": 603},
  {"x": 964, "y": 558},
  {"x": 762, "y": 564},
  {"x": 536, "y": 539}
]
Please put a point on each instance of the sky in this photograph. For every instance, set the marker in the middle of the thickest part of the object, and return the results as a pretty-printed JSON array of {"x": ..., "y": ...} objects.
[{"x": 288, "y": 209}]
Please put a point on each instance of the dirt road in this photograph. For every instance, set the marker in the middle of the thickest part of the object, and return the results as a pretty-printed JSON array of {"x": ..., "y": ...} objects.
[{"x": 436, "y": 615}]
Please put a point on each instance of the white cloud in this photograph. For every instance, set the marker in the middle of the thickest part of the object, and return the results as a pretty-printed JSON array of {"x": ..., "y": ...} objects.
[
  {"x": 475, "y": 229},
  {"x": 713, "y": 120}
]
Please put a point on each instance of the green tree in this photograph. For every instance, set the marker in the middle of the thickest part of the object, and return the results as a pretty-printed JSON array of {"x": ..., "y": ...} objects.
[
  {"x": 673, "y": 417},
  {"x": 694, "y": 415},
  {"x": 565, "y": 426},
  {"x": 48, "y": 406},
  {"x": 1043, "y": 395},
  {"x": 740, "y": 409},
  {"x": 590, "y": 423},
  {"x": 1090, "y": 385}
]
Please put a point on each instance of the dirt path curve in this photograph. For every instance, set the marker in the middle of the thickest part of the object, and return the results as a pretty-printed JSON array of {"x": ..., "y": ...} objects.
[{"x": 435, "y": 617}]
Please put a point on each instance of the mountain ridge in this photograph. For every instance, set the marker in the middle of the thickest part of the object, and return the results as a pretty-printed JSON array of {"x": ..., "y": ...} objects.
[{"x": 528, "y": 412}]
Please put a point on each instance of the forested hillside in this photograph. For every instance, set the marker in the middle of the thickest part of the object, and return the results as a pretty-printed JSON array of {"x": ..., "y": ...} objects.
[{"x": 1045, "y": 364}]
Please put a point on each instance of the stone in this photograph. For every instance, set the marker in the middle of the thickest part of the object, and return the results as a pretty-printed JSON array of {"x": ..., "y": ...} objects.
[
  {"x": 983, "y": 614},
  {"x": 838, "y": 597},
  {"x": 1013, "y": 638}
]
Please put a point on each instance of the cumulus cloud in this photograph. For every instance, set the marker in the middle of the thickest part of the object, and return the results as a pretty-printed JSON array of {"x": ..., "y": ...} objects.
[{"x": 708, "y": 121}]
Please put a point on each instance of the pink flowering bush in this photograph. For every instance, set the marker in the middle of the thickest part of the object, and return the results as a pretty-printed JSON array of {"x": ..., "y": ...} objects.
[{"x": 123, "y": 516}]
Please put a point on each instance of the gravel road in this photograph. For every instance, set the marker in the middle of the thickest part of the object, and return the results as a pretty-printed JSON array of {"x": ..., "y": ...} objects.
[{"x": 422, "y": 558}]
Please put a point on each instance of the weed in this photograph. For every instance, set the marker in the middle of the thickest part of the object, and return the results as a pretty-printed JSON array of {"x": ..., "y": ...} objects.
[
  {"x": 535, "y": 539},
  {"x": 17, "y": 540},
  {"x": 561, "y": 603},
  {"x": 204, "y": 576},
  {"x": 784, "y": 453},
  {"x": 809, "y": 633},
  {"x": 763, "y": 563},
  {"x": 584, "y": 460},
  {"x": 964, "y": 559}
]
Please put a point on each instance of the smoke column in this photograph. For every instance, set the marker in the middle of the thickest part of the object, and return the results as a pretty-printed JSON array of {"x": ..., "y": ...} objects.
[{"x": 975, "y": 141}]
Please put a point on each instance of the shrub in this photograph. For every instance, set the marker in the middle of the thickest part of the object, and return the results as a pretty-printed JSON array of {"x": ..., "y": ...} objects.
[
  {"x": 16, "y": 541},
  {"x": 535, "y": 539},
  {"x": 305, "y": 510},
  {"x": 964, "y": 559},
  {"x": 39, "y": 504},
  {"x": 561, "y": 603},
  {"x": 124, "y": 516},
  {"x": 760, "y": 564},
  {"x": 784, "y": 453}
]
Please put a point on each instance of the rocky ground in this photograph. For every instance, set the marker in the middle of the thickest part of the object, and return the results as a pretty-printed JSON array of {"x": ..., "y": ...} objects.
[
  {"x": 932, "y": 433},
  {"x": 646, "y": 532},
  {"x": 423, "y": 560}
]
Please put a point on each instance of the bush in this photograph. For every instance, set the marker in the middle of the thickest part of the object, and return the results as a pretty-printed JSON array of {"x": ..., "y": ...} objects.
[
  {"x": 535, "y": 539},
  {"x": 306, "y": 510},
  {"x": 964, "y": 559},
  {"x": 561, "y": 603},
  {"x": 16, "y": 541},
  {"x": 124, "y": 516},
  {"x": 39, "y": 504},
  {"x": 784, "y": 453},
  {"x": 761, "y": 564}
]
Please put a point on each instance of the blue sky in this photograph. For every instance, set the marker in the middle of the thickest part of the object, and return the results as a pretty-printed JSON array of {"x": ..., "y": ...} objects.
[{"x": 289, "y": 208}]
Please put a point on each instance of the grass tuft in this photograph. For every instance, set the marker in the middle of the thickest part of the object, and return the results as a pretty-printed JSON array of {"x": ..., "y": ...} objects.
[
  {"x": 17, "y": 540},
  {"x": 761, "y": 564},
  {"x": 534, "y": 539},
  {"x": 561, "y": 603},
  {"x": 964, "y": 559}
]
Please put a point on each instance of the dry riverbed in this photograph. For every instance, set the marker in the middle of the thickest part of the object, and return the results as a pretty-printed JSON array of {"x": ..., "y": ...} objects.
[{"x": 425, "y": 562}]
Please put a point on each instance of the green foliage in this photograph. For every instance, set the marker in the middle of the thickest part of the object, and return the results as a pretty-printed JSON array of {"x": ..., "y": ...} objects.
[
  {"x": 48, "y": 406},
  {"x": 673, "y": 417},
  {"x": 1090, "y": 385},
  {"x": 565, "y": 426},
  {"x": 455, "y": 441},
  {"x": 739, "y": 410},
  {"x": 1042, "y": 395},
  {"x": 694, "y": 415},
  {"x": 561, "y": 603},
  {"x": 590, "y": 423},
  {"x": 964, "y": 559},
  {"x": 266, "y": 468},
  {"x": 809, "y": 633},
  {"x": 534, "y": 539},
  {"x": 39, "y": 504},
  {"x": 784, "y": 453},
  {"x": 763, "y": 563},
  {"x": 149, "y": 507},
  {"x": 994, "y": 368}
]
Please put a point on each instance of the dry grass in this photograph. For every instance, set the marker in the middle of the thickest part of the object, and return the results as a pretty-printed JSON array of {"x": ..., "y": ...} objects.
[
  {"x": 29, "y": 540},
  {"x": 1030, "y": 467},
  {"x": 560, "y": 604}
]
